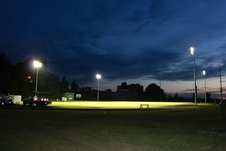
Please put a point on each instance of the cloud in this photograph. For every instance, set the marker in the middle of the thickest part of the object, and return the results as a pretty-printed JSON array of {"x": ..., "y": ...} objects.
[{"x": 122, "y": 39}]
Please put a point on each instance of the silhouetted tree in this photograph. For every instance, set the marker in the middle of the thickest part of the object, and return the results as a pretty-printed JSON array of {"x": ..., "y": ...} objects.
[
  {"x": 130, "y": 92},
  {"x": 53, "y": 85},
  {"x": 122, "y": 87},
  {"x": 85, "y": 89},
  {"x": 169, "y": 97},
  {"x": 108, "y": 90},
  {"x": 5, "y": 70},
  {"x": 48, "y": 82},
  {"x": 20, "y": 83},
  {"x": 64, "y": 85},
  {"x": 20, "y": 78},
  {"x": 208, "y": 96},
  {"x": 193, "y": 96},
  {"x": 88, "y": 93},
  {"x": 175, "y": 96},
  {"x": 153, "y": 91},
  {"x": 74, "y": 86}
]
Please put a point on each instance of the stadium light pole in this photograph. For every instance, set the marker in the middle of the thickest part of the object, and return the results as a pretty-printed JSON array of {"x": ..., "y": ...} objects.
[
  {"x": 204, "y": 75},
  {"x": 192, "y": 50},
  {"x": 98, "y": 77},
  {"x": 37, "y": 64}
]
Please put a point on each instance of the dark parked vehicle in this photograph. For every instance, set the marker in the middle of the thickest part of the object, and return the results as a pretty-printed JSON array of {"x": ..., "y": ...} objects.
[
  {"x": 2, "y": 101},
  {"x": 36, "y": 101},
  {"x": 6, "y": 100}
]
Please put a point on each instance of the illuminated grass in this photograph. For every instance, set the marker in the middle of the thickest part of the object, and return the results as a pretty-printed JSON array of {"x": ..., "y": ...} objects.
[{"x": 116, "y": 105}]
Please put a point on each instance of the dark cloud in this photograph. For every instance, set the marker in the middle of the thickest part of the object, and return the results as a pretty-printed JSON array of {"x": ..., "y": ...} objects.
[{"x": 121, "y": 39}]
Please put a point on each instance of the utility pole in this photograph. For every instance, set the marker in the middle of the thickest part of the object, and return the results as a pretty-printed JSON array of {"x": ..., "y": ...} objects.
[
  {"x": 204, "y": 75},
  {"x": 160, "y": 84},
  {"x": 221, "y": 89},
  {"x": 192, "y": 49}
]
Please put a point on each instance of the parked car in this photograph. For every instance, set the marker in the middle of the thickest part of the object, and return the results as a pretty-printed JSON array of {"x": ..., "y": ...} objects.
[
  {"x": 6, "y": 100},
  {"x": 2, "y": 101},
  {"x": 36, "y": 101}
]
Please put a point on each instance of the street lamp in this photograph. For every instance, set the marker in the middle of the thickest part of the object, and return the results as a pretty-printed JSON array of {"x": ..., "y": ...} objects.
[
  {"x": 192, "y": 50},
  {"x": 98, "y": 77},
  {"x": 37, "y": 64},
  {"x": 204, "y": 74}
]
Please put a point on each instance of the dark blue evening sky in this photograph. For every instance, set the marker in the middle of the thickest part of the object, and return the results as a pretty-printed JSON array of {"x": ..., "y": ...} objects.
[{"x": 125, "y": 40}]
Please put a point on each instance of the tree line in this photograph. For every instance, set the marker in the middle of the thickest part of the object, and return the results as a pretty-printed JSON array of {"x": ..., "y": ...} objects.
[{"x": 19, "y": 79}]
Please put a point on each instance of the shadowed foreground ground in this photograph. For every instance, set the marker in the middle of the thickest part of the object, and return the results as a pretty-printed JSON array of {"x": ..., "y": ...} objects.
[{"x": 183, "y": 128}]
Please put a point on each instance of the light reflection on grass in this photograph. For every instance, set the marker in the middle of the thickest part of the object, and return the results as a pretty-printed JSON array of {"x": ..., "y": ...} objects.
[{"x": 116, "y": 104}]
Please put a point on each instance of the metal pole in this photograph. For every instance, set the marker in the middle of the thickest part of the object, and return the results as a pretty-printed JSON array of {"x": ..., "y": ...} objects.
[
  {"x": 195, "y": 79},
  {"x": 221, "y": 89},
  {"x": 160, "y": 85},
  {"x": 98, "y": 89},
  {"x": 205, "y": 87},
  {"x": 36, "y": 83}
]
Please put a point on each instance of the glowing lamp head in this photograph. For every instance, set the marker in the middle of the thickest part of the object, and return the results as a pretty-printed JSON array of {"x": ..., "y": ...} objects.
[
  {"x": 192, "y": 50},
  {"x": 98, "y": 76},
  {"x": 37, "y": 64},
  {"x": 204, "y": 72}
]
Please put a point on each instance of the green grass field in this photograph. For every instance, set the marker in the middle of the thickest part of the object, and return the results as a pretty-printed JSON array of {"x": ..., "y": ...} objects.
[
  {"x": 116, "y": 104},
  {"x": 164, "y": 128}
]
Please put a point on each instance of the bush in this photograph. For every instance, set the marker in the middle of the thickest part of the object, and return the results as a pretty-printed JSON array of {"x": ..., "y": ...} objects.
[{"x": 223, "y": 109}]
